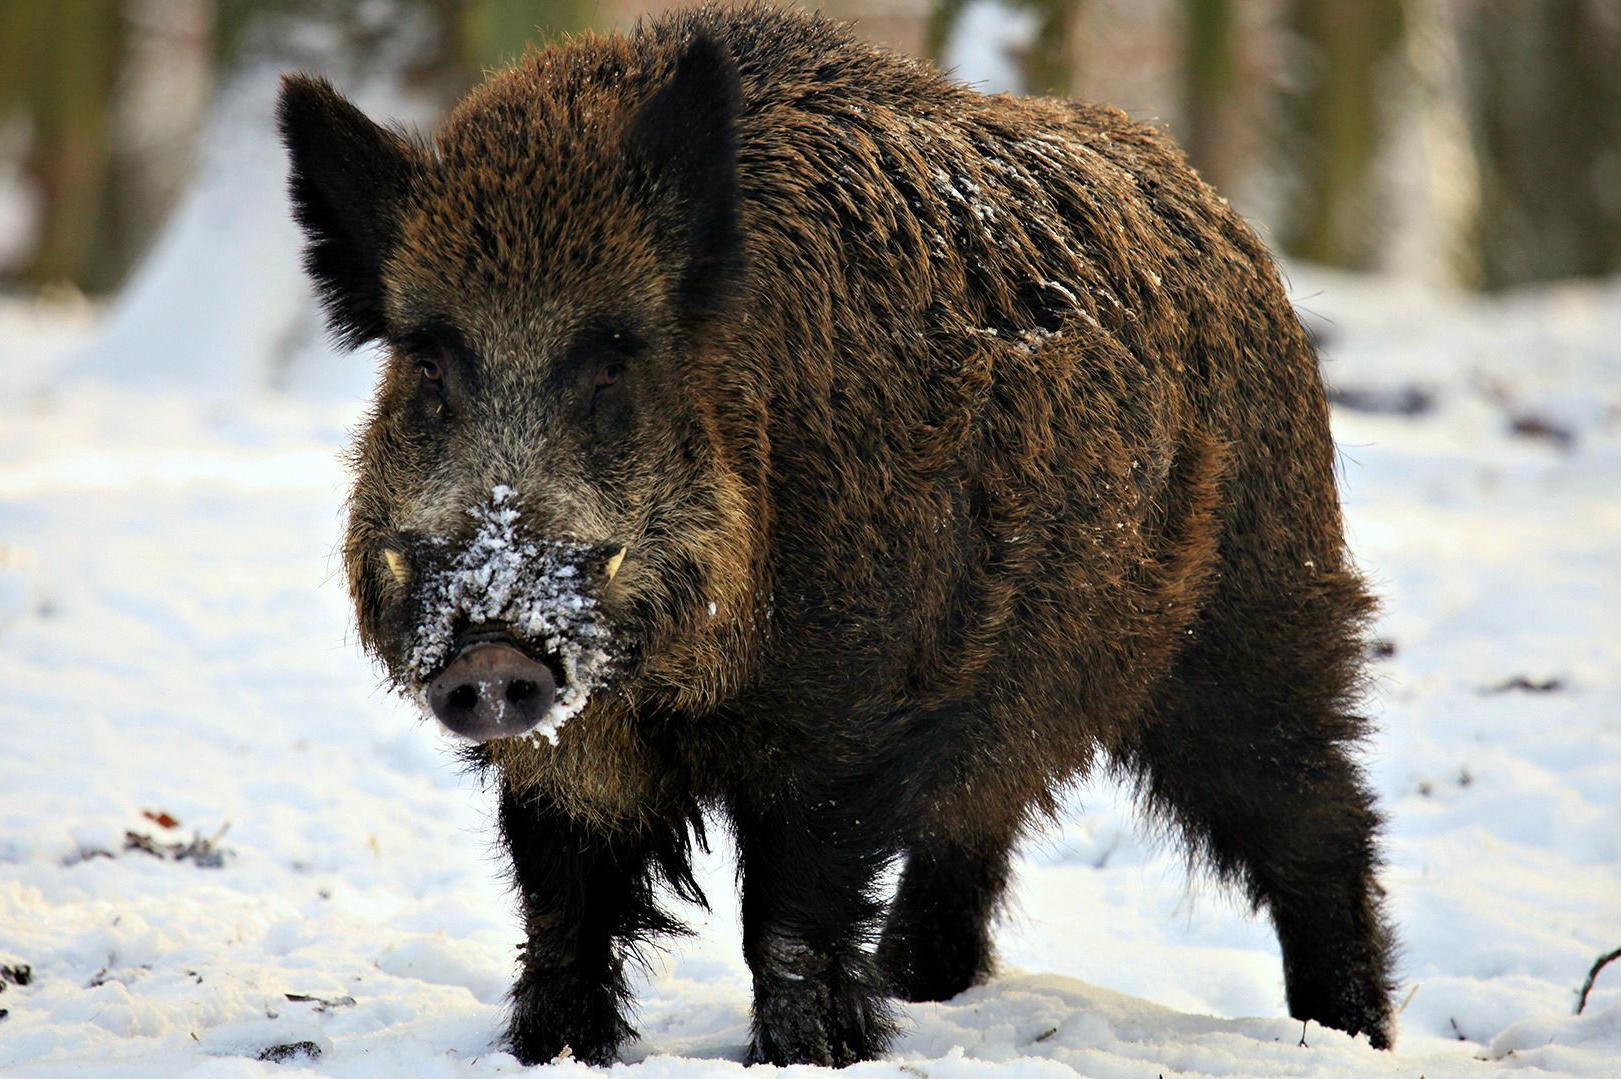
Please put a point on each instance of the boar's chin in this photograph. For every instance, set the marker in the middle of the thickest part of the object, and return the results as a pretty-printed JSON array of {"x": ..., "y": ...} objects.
[{"x": 541, "y": 593}]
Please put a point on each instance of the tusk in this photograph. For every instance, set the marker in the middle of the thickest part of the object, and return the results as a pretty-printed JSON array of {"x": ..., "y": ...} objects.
[
  {"x": 397, "y": 566},
  {"x": 612, "y": 567}
]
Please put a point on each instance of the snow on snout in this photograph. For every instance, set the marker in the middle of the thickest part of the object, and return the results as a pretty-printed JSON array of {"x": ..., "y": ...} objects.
[{"x": 538, "y": 588}]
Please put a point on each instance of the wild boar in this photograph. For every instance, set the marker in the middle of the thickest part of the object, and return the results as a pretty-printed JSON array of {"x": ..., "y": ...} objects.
[{"x": 775, "y": 430}]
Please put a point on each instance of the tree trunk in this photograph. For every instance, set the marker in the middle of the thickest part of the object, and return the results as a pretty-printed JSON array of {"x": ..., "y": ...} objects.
[
  {"x": 58, "y": 66},
  {"x": 1332, "y": 126},
  {"x": 1209, "y": 65},
  {"x": 1547, "y": 124}
]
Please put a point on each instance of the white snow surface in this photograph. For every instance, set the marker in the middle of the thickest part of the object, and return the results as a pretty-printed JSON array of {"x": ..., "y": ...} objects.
[
  {"x": 175, "y": 639},
  {"x": 532, "y": 586}
]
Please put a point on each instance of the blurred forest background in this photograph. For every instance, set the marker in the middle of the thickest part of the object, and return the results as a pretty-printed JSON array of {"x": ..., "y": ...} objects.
[{"x": 1474, "y": 143}]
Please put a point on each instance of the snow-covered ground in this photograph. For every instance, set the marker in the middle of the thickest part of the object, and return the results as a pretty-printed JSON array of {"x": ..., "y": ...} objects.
[
  {"x": 207, "y": 805},
  {"x": 174, "y": 641}
]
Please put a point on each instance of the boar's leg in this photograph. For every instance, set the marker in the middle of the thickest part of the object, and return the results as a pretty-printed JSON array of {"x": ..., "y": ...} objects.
[
  {"x": 587, "y": 899},
  {"x": 808, "y": 912},
  {"x": 1249, "y": 754},
  {"x": 937, "y": 939}
]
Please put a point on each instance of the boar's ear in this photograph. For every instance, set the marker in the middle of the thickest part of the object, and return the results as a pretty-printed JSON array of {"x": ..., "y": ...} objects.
[
  {"x": 347, "y": 179},
  {"x": 686, "y": 138}
]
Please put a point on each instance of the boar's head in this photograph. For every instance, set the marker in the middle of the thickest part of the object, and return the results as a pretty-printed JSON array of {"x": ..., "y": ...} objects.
[{"x": 546, "y": 510}]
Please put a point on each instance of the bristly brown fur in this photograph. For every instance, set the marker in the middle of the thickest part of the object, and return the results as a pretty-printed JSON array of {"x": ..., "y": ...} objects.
[{"x": 967, "y": 438}]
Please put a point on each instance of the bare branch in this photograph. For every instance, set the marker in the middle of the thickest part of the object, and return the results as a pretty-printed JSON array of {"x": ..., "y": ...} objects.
[{"x": 1587, "y": 987}]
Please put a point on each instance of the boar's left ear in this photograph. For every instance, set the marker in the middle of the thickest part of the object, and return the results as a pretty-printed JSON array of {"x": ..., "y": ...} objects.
[
  {"x": 686, "y": 137},
  {"x": 347, "y": 180}
]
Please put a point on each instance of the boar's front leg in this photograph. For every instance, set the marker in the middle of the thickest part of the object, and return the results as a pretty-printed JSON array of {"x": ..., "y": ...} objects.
[
  {"x": 808, "y": 913},
  {"x": 587, "y": 898}
]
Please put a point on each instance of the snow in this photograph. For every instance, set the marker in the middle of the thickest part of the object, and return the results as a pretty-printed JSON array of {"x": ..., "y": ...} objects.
[
  {"x": 533, "y": 587},
  {"x": 175, "y": 639}
]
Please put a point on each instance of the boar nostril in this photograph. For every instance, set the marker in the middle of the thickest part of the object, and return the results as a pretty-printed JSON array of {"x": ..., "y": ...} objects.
[{"x": 492, "y": 690}]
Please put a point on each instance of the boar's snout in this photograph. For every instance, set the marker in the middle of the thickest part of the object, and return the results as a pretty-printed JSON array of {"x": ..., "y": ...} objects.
[{"x": 491, "y": 690}]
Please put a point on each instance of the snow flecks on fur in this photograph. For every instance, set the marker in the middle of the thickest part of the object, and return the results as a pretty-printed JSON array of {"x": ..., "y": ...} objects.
[
  {"x": 964, "y": 192},
  {"x": 537, "y": 589}
]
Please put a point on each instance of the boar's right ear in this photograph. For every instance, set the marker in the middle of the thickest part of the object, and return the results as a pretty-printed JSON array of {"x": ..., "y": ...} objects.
[
  {"x": 347, "y": 180},
  {"x": 686, "y": 137}
]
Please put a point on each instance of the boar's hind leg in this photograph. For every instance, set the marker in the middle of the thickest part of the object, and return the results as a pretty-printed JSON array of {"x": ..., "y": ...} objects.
[
  {"x": 587, "y": 899},
  {"x": 808, "y": 912},
  {"x": 1249, "y": 754},
  {"x": 937, "y": 939}
]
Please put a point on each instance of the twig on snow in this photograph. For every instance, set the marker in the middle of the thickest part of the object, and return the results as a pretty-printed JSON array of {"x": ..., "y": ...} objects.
[{"x": 1599, "y": 964}]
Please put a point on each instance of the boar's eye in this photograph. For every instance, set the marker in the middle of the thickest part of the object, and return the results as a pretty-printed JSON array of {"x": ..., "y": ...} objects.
[
  {"x": 432, "y": 391},
  {"x": 597, "y": 367},
  {"x": 441, "y": 358},
  {"x": 609, "y": 410}
]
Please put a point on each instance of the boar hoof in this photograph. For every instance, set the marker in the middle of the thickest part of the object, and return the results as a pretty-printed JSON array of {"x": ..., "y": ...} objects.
[
  {"x": 829, "y": 1022},
  {"x": 549, "y": 1021}
]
